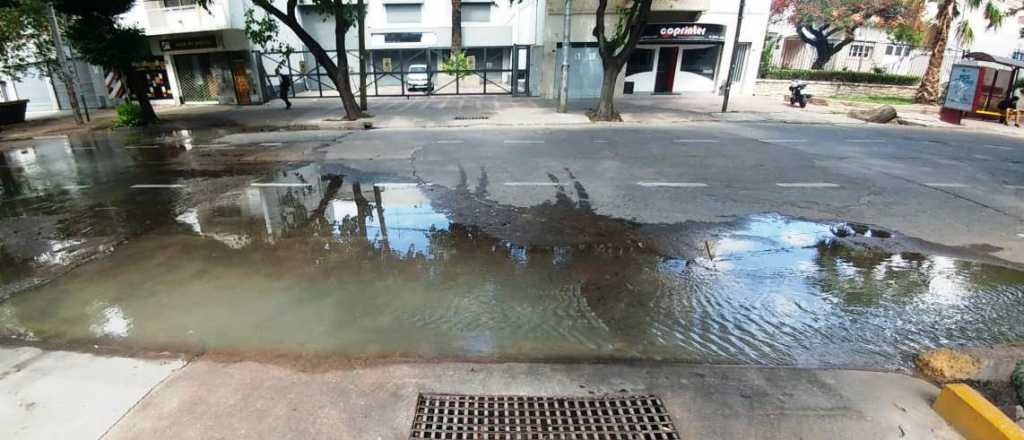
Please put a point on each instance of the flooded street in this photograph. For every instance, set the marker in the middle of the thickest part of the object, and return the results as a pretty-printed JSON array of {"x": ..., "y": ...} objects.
[{"x": 171, "y": 249}]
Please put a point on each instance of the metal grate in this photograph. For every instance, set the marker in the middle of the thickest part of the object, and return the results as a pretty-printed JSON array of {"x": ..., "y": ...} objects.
[
  {"x": 471, "y": 117},
  {"x": 465, "y": 417}
]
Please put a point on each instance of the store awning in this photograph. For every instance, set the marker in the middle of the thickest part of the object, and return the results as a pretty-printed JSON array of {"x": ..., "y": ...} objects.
[{"x": 982, "y": 56}]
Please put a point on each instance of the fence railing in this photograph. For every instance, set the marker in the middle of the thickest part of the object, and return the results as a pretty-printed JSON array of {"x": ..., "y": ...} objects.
[
  {"x": 497, "y": 71},
  {"x": 864, "y": 56}
]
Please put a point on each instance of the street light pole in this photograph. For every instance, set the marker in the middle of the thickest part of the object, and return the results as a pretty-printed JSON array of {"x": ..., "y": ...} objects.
[
  {"x": 361, "y": 5},
  {"x": 67, "y": 71},
  {"x": 563, "y": 95},
  {"x": 732, "y": 65}
]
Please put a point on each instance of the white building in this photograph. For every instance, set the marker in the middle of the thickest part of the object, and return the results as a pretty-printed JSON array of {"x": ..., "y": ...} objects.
[
  {"x": 204, "y": 55},
  {"x": 686, "y": 47},
  {"x": 874, "y": 49}
]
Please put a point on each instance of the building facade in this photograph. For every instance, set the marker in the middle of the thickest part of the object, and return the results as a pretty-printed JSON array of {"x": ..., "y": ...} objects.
[
  {"x": 685, "y": 48},
  {"x": 203, "y": 56}
]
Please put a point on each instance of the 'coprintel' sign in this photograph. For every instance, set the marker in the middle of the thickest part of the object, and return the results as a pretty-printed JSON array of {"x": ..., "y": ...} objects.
[{"x": 669, "y": 33}]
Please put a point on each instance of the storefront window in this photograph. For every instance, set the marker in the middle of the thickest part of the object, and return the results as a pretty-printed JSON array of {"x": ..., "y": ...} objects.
[
  {"x": 641, "y": 61},
  {"x": 700, "y": 61}
]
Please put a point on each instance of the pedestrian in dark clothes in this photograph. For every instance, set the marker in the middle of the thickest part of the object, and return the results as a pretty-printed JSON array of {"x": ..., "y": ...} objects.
[{"x": 284, "y": 88}]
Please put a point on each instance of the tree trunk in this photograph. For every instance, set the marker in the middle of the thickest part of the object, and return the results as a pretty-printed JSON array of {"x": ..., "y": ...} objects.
[
  {"x": 137, "y": 87},
  {"x": 605, "y": 110},
  {"x": 928, "y": 91},
  {"x": 456, "y": 27},
  {"x": 344, "y": 90},
  {"x": 344, "y": 80}
]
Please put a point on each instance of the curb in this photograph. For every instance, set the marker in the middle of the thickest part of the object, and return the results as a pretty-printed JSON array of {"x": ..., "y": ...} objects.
[{"x": 973, "y": 416}]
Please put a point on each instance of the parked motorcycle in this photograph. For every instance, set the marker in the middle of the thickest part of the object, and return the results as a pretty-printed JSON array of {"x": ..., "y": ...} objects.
[{"x": 797, "y": 95}]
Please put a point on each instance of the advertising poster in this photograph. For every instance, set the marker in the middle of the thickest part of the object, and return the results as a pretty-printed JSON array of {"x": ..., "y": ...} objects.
[{"x": 963, "y": 82}]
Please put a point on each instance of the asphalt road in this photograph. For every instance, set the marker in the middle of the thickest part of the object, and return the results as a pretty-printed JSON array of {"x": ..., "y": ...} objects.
[{"x": 952, "y": 188}]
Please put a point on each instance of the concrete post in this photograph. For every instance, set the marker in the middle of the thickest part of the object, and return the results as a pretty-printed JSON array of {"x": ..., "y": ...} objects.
[
  {"x": 563, "y": 95},
  {"x": 732, "y": 65}
]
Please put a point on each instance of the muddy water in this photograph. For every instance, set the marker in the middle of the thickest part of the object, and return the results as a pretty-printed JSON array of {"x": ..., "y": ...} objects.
[{"x": 342, "y": 263}]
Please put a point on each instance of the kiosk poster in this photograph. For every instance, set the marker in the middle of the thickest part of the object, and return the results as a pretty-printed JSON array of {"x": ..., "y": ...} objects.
[{"x": 963, "y": 83}]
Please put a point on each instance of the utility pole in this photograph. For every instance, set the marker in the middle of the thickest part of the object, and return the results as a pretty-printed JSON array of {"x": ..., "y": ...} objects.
[
  {"x": 563, "y": 95},
  {"x": 361, "y": 5},
  {"x": 67, "y": 72},
  {"x": 732, "y": 65}
]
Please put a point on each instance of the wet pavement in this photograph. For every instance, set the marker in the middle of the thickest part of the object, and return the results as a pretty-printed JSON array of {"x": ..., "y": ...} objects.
[{"x": 181, "y": 241}]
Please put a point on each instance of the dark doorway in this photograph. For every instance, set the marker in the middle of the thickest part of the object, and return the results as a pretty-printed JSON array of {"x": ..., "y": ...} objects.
[{"x": 665, "y": 74}]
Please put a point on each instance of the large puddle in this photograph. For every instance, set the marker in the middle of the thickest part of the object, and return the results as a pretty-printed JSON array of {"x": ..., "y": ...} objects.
[{"x": 337, "y": 264}]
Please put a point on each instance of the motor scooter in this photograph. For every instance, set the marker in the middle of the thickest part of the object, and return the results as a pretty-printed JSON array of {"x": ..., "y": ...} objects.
[{"x": 797, "y": 95}]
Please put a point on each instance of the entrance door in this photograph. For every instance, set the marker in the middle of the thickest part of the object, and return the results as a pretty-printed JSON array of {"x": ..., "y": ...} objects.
[
  {"x": 665, "y": 74},
  {"x": 241, "y": 80}
]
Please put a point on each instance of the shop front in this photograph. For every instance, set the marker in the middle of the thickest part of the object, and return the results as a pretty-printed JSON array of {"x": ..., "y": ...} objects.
[{"x": 675, "y": 58}]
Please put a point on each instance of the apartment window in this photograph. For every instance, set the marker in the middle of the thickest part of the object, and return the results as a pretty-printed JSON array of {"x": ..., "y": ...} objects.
[
  {"x": 898, "y": 51},
  {"x": 178, "y": 3},
  {"x": 642, "y": 60},
  {"x": 403, "y": 13},
  {"x": 860, "y": 51},
  {"x": 476, "y": 12}
]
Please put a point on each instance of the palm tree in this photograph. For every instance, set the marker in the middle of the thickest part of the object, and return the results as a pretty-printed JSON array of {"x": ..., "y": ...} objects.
[{"x": 938, "y": 38}]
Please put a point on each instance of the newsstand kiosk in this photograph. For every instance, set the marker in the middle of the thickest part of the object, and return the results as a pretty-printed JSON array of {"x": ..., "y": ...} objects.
[{"x": 977, "y": 84}]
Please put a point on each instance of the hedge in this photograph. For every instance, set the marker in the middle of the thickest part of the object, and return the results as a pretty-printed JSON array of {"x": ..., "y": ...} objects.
[{"x": 843, "y": 76}]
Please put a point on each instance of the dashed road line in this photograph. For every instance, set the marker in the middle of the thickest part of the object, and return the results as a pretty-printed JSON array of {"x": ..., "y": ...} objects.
[
  {"x": 522, "y": 141},
  {"x": 600, "y": 141},
  {"x": 807, "y": 185},
  {"x": 396, "y": 185},
  {"x": 697, "y": 141},
  {"x": 672, "y": 184},
  {"x": 998, "y": 147},
  {"x": 157, "y": 185},
  {"x": 75, "y": 187},
  {"x": 531, "y": 184},
  {"x": 280, "y": 185},
  {"x": 866, "y": 141},
  {"x": 211, "y": 145},
  {"x": 1013, "y": 186},
  {"x": 270, "y": 144},
  {"x": 946, "y": 185},
  {"x": 451, "y": 141},
  {"x": 783, "y": 141}
]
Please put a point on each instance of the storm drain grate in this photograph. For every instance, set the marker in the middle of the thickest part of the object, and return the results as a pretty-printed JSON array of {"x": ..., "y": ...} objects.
[
  {"x": 471, "y": 117},
  {"x": 466, "y": 417}
]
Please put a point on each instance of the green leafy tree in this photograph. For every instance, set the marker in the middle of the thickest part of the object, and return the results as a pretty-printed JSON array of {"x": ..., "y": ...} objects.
[
  {"x": 262, "y": 32},
  {"x": 96, "y": 33},
  {"x": 27, "y": 47},
  {"x": 615, "y": 49},
  {"x": 830, "y": 25},
  {"x": 939, "y": 35},
  {"x": 345, "y": 16}
]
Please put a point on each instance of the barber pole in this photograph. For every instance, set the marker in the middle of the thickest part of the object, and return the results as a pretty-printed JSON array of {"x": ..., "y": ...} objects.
[{"x": 115, "y": 87}]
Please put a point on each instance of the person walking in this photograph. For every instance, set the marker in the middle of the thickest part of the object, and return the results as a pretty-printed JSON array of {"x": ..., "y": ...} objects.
[{"x": 284, "y": 87}]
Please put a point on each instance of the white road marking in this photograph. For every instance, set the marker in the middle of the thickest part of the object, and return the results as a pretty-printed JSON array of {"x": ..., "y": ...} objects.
[
  {"x": 1020, "y": 235},
  {"x": 999, "y": 147},
  {"x": 393, "y": 185},
  {"x": 83, "y": 148},
  {"x": 697, "y": 141},
  {"x": 531, "y": 184},
  {"x": 451, "y": 141},
  {"x": 600, "y": 141},
  {"x": 142, "y": 147},
  {"x": 946, "y": 185},
  {"x": 672, "y": 184},
  {"x": 521, "y": 141},
  {"x": 280, "y": 185},
  {"x": 808, "y": 185},
  {"x": 787, "y": 141},
  {"x": 1013, "y": 186},
  {"x": 270, "y": 144},
  {"x": 74, "y": 187},
  {"x": 866, "y": 141},
  {"x": 154, "y": 185},
  {"x": 210, "y": 145},
  {"x": 49, "y": 137}
]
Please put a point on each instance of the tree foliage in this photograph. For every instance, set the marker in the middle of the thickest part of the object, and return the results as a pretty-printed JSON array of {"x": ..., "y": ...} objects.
[
  {"x": 25, "y": 38},
  {"x": 831, "y": 25}
]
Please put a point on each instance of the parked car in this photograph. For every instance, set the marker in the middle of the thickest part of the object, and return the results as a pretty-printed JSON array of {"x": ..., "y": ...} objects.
[{"x": 418, "y": 78}]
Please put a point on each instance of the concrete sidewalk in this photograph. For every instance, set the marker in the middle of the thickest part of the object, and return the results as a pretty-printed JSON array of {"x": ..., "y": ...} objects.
[{"x": 72, "y": 395}]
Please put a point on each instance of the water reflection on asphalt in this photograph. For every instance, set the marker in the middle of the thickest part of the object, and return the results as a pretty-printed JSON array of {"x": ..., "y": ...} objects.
[{"x": 331, "y": 260}]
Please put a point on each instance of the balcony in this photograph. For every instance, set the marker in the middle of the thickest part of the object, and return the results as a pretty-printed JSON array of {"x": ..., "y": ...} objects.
[{"x": 180, "y": 16}]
